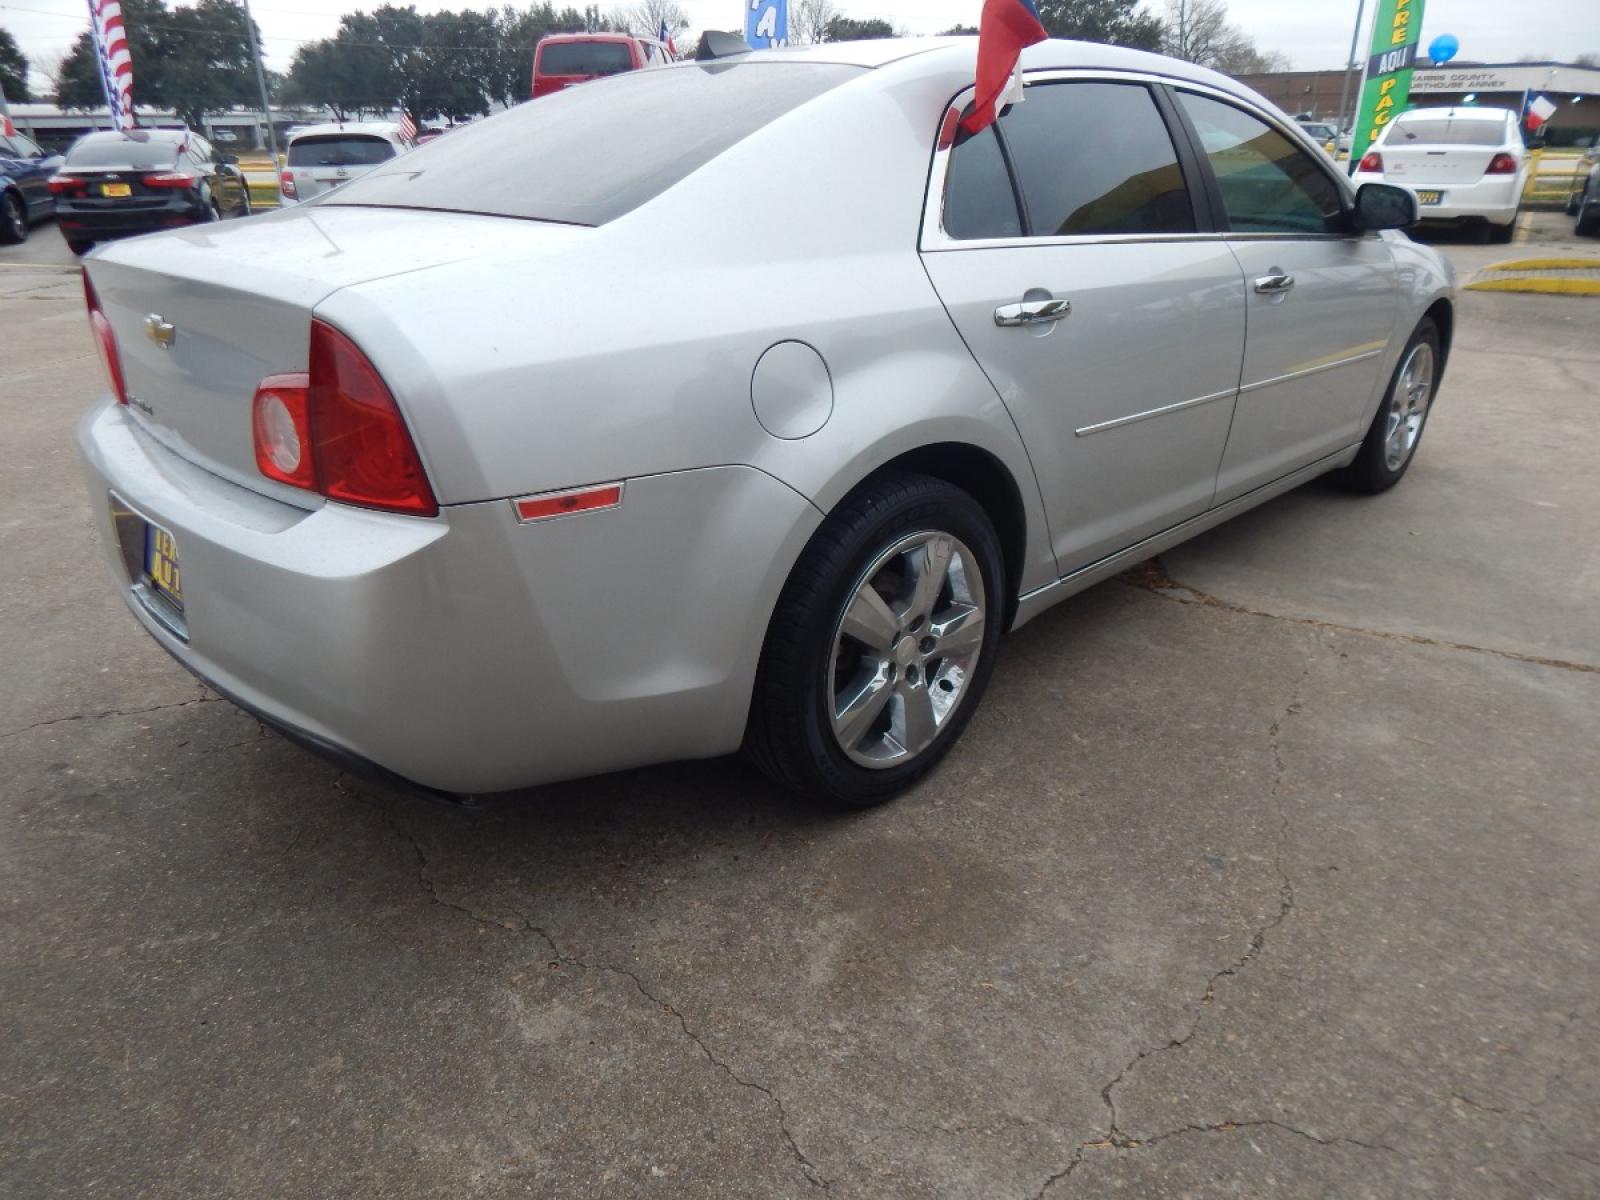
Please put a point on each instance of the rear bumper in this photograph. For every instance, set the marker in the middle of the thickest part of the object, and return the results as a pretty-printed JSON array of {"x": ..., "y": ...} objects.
[
  {"x": 467, "y": 654},
  {"x": 82, "y": 223},
  {"x": 1494, "y": 199}
]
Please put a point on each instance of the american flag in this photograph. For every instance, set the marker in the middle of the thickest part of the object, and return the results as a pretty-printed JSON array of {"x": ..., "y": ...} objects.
[
  {"x": 408, "y": 127},
  {"x": 116, "y": 64}
]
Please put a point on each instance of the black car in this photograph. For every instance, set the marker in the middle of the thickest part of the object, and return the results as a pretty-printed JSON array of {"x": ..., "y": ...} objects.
[
  {"x": 25, "y": 172},
  {"x": 115, "y": 185}
]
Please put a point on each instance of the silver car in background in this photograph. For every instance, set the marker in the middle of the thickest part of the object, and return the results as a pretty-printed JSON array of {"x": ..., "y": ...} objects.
[
  {"x": 319, "y": 158},
  {"x": 741, "y": 403}
]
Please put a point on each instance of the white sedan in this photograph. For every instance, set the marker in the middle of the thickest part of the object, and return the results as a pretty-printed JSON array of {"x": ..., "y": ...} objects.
[{"x": 1464, "y": 164}]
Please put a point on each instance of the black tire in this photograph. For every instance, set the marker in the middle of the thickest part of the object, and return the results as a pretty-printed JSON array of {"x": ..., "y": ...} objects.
[
  {"x": 790, "y": 735},
  {"x": 1500, "y": 235},
  {"x": 13, "y": 219},
  {"x": 79, "y": 248},
  {"x": 1588, "y": 219},
  {"x": 1370, "y": 472}
]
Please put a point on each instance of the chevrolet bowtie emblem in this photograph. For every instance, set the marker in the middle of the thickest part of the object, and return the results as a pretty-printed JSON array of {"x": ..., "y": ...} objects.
[{"x": 160, "y": 331}]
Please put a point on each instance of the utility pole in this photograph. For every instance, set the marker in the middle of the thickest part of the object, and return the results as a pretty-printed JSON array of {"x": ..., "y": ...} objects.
[
  {"x": 261, "y": 82},
  {"x": 1344, "y": 86}
]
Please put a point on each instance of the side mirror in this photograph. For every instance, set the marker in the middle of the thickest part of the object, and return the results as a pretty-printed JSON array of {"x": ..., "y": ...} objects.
[{"x": 1384, "y": 206}]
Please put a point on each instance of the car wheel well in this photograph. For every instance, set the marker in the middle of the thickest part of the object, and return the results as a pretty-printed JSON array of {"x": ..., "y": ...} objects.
[
  {"x": 983, "y": 477},
  {"x": 1444, "y": 319}
]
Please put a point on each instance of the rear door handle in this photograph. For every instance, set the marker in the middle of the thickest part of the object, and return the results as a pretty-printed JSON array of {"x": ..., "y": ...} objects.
[
  {"x": 1032, "y": 312},
  {"x": 1267, "y": 285}
]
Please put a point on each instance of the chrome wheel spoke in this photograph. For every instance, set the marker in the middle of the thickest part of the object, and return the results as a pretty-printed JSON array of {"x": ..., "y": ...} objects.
[
  {"x": 930, "y": 567},
  {"x": 915, "y": 722},
  {"x": 855, "y": 712},
  {"x": 960, "y": 632},
  {"x": 870, "y": 620}
]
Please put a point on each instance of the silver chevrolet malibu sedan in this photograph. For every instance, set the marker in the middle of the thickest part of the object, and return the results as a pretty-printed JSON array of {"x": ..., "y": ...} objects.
[{"x": 743, "y": 403}]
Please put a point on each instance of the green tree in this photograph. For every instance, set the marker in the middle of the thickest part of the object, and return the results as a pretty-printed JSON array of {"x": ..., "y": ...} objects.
[
  {"x": 848, "y": 29},
  {"x": 1118, "y": 22},
  {"x": 193, "y": 60},
  {"x": 13, "y": 68},
  {"x": 960, "y": 31}
]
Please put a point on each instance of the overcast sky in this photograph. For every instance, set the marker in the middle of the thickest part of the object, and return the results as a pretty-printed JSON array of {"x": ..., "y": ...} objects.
[{"x": 1314, "y": 33}]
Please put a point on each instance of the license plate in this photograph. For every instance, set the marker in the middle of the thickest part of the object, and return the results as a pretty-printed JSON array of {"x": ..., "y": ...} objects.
[
  {"x": 161, "y": 565},
  {"x": 1429, "y": 197},
  {"x": 116, "y": 189}
]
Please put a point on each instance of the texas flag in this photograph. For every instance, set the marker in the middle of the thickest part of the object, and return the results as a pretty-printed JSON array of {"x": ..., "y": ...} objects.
[
  {"x": 1004, "y": 29},
  {"x": 1540, "y": 110},
  {"x": 665, "y": 38}
]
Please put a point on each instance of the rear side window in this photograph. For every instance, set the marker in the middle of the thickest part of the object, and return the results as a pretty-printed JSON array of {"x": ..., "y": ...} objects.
[
  {"x": 1445, "y": 132},
  {"x": 339, "y": 150},
  {"x": 123, "y": 152},
  {"x": 979, "y": 201},
  {"x": 1090, "y": 159},
  {"x": 1268, "y": 183},
  {"x": 588, "y": 155},
  {"x": 584, "y": 58}
]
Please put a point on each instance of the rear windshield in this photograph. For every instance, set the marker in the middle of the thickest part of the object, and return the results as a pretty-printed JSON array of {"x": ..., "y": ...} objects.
[
  {"x": 588, "y": 155},
  {"x": 584, "y": 58},
  {"x": 122, "y": 152},
  {"x": 1446, "y": 132},
  {"x": 339, "y": 150}
]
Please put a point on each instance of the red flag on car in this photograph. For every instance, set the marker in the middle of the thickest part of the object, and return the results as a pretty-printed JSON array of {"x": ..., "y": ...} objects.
[{"x": 1005, "y": 28}]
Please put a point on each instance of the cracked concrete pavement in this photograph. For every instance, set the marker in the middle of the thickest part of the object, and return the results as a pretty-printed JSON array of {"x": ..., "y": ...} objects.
[{"x": 1271, "y": 868}]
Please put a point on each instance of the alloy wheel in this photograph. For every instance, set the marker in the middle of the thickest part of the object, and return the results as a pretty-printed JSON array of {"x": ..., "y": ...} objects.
[
  {"x": 904, "y": 649},
  {"x": 1408, "y": 406}
]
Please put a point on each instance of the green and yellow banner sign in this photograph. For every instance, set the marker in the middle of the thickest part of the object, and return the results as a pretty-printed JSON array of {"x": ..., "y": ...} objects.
[{"x": 1386, "y": 82}]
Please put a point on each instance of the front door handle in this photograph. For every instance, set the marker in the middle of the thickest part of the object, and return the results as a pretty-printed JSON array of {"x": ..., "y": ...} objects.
[
  {"x": 1268, "y": 285},
  {"x": 1032, "y": 312}
]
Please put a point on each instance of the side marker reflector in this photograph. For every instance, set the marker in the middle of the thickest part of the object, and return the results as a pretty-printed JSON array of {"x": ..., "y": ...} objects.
[{"x": 547, "y": 505}]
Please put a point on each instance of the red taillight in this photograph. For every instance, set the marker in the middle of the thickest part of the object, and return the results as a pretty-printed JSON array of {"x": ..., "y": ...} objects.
[
  {"x": 287, "y": 186},
  {"x": 1373, "y": 161},
  {"x": 170, "y": 179},
  {"x": 337, "y": 430},
  {"x": 282, "y": 422},
  {"x": 105, "y": 341},
  {"x": 1502, "y": 164},
  {"x": 67, "y": 185}
]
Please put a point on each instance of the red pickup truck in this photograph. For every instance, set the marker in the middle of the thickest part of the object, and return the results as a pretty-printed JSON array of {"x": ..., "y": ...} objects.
[{"x": 563, "y": 59}]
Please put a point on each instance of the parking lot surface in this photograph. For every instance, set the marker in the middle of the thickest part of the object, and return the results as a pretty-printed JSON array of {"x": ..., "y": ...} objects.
[{"x": 1270, "y": 868}]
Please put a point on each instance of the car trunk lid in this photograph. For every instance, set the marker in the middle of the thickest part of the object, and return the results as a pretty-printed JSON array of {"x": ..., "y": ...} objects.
[
  {"x": 1422, "y": 165},
  {"x": 201, "y": 316}
]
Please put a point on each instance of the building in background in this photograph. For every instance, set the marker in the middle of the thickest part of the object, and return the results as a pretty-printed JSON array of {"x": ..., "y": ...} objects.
[{"x": 1574, "y": 90}]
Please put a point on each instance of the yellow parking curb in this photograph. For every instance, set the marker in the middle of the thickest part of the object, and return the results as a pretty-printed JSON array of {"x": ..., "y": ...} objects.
[
  {"x": 1552, "y": 287},
  {"x": 1546, "y": 264}
]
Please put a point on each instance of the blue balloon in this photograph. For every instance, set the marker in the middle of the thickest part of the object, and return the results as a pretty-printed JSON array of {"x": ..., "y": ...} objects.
[{"x": 1443, "y": 48}]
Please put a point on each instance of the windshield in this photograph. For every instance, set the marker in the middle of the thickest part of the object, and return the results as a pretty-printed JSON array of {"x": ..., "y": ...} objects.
[
  {"x": 584, "y": 58},
  {"x": 588, "y": 155},
  {"x": 137, "y": 153},
  {"x": 1446, "y": 131},
  {"x": 339, "y": 150}
]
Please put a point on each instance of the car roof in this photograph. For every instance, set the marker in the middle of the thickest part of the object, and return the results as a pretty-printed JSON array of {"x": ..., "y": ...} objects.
[
  {"x": 592, "y": 37},
  {"x": 956, "y": 54},
  {"x": 1473, "y": 113},
  {"x": 136, "y": 135},
  {"x": 365, "y": 128}
]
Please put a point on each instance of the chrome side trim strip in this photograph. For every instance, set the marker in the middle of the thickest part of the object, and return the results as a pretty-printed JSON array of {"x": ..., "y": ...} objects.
[
  {"x": 1316, "y": 370},
  {"x": 1118, "y": 422},
  {"x": 1031, "y": 604}
]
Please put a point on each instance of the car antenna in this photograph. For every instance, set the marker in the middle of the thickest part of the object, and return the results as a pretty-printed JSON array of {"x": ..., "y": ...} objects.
[{"x": 717, "y": 43}]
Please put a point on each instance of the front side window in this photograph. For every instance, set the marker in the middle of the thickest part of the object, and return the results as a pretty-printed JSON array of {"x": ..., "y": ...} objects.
[
  {"x": 1089, "y": 159},
  {"x": 1268, "y": 184}
]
